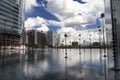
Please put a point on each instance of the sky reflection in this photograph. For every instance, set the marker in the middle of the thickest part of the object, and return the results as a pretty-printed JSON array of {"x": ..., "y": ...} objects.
[{"x": 51, "y": 64}]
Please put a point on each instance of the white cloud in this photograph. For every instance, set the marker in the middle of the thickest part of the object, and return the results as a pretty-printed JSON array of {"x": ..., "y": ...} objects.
[
  {"x": 36, "y": 21},
  {"x": 29, "y": 4},
  {"x": 43, "y": 28},
  {"x": 55, "y": 23},
  {"x": 73, "y": 35},
  {"x": 41, "y": 23},
  {"x": 71, "y": 13}
]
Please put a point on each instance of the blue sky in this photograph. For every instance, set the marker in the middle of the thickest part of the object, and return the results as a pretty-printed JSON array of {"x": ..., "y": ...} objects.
[
  {"x": 64, "y": 16},
  {"x": 43, "y": 12}
]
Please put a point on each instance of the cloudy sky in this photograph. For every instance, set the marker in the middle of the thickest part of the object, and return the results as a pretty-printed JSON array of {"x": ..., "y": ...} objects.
[{"x": 73, "y": 17}]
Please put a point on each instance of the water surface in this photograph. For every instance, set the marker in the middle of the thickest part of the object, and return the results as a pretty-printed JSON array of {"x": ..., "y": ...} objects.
[{"x": 51, "y": 64}]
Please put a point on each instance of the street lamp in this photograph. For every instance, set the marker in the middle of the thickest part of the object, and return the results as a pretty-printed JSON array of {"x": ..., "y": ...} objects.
[
  {"x": 80, "y": 63},
  {"x": 65, "y": 46},
  {"x": 79, "y": 43},
  {"x": 107, "y": 38},
  {"x": 90, "y": 49},
  {"x": 99, "y": 38},
  {"x": 90, "y": 42},
  {"x": 70, "y": 45},
  {"x": 66, "y": 69},
  {"x": 42, "y": 40},
  {"x": 57, "y": 43},
  {"x": 84, "y": 45},
  {"x": 62, "y": 44},
  {"x": 33, "y": 40},
  {"x": 102, "y": 16}
]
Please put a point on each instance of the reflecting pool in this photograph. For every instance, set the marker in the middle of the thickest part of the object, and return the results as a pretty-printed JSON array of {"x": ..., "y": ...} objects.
[{"x": 51, "y": 64}]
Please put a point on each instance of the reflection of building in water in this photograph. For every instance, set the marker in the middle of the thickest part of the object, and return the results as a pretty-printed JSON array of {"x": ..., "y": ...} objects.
[
  {"x": 53, "y": 39},
  {"x": 10, "y": 58},
  {"x": 31, "y": 36},
  {"x": 34, "y": 70},
  {"x": 11, "y": 21},
  {"x": 37, "y": 56}
]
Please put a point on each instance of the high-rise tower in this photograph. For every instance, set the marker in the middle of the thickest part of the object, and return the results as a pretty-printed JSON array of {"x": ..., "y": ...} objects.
[{"x": 11, "y": 21}]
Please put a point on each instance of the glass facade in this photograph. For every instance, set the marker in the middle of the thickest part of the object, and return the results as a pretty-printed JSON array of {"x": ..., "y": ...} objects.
[
  {"x": 115, "y": 12},
  {"x": 53, "y": 39},
  {"x": 11, "y": 20},
  {"x": 112, "y": 10}
]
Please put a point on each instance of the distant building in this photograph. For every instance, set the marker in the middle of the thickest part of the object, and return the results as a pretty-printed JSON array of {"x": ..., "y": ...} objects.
[
  {"x": 41, "y": 39},
  {"x": 49, "y": 38},
  {"x": 11, "y": 21},
  {"x": 35, "y": 37},
  {"x": 31, "y": 36},
  {"x": 56, "y": 39},
  {"x": 53, "y": 39},
  {"x": 95, "y": 44},
  {"x": 75, "y": 44}
]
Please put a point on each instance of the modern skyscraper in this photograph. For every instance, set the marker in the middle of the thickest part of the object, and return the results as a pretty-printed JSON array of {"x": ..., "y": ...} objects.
[
  {"x": 53, "y": 39},
  {"x": 11, "y": 21},
  {"x": 41, "y": 39},
  {"x": 115, "y": 13},
  {"x": 49, "y": 38},
  {"x": 112, "y": 9},
  {"x": 31, "y": 37},
  {"x": 35, "y": 38}
]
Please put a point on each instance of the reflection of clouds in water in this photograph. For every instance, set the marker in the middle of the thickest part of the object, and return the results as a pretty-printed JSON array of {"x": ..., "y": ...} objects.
[
  {"x": 72, "y": 59},
  {"x": 93, "y": 68},
  {"x": 51, "y": 65},
  {"x": 43, "y": 65},
  {"x": 74, "y": 56},
  {"x": 88, "y": 74},
  {"x": 36, "y": 70},
  {"x": 110, "y": 59},
  {"x": 54, "y": 61},
  {"x": 22, "y": 51}
]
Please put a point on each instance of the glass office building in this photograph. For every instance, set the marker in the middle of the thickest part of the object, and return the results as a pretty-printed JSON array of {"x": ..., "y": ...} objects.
[
  {"x": 115, "y": 13},
  {"x": 112, "y": 8},
  {"x": 53, "y": 39},
  {"x": 11, "y": 21}
]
